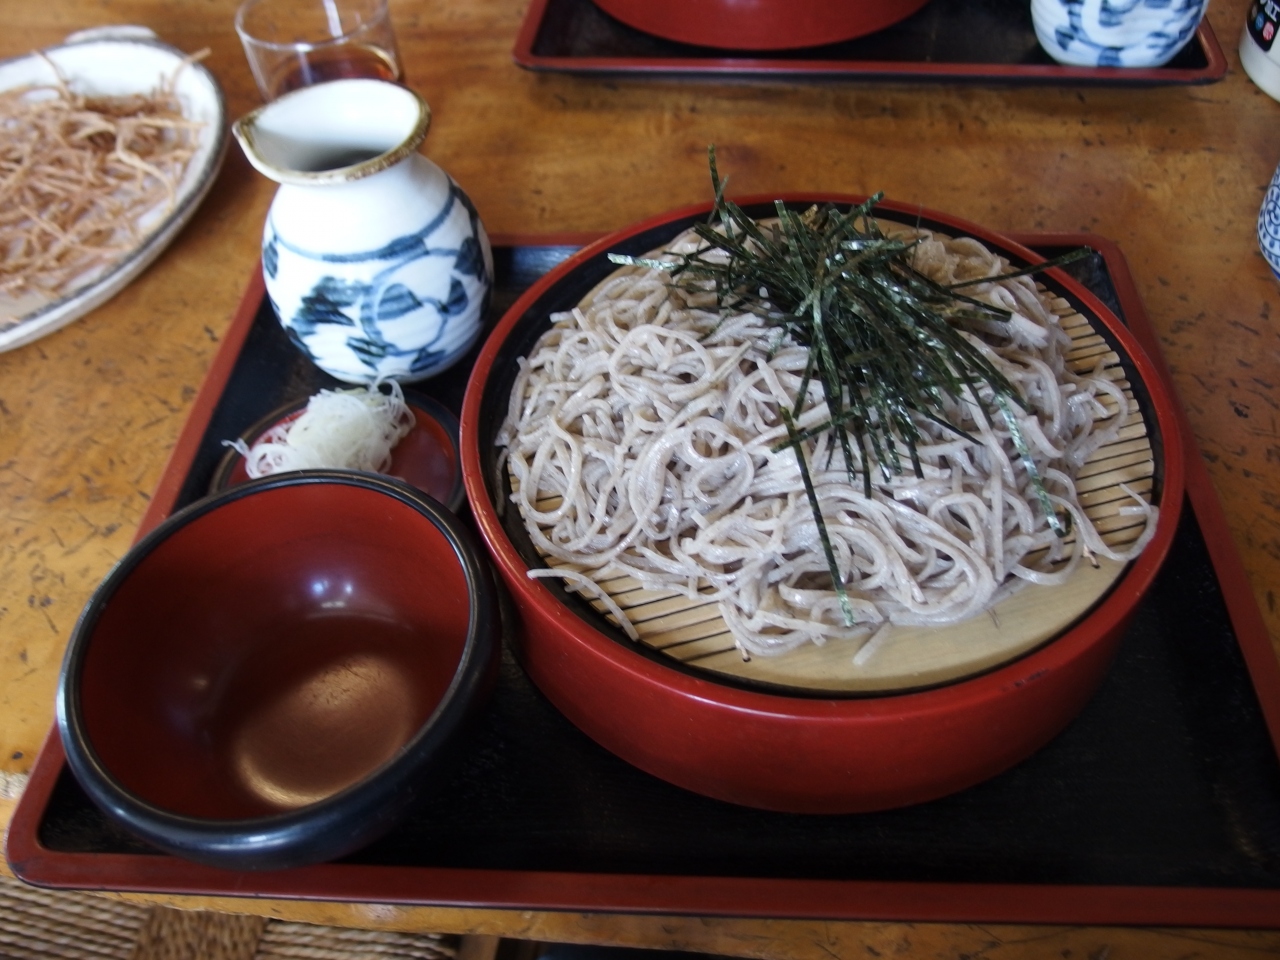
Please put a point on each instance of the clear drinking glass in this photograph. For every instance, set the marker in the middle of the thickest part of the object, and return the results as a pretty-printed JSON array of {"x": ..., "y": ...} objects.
[{"x": 297, "y": 43}]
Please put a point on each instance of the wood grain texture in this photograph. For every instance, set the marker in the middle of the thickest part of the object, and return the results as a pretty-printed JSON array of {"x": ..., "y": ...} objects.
[
  {"x": 1174, "y": 175},
  {"x": 791, "y": 939}
]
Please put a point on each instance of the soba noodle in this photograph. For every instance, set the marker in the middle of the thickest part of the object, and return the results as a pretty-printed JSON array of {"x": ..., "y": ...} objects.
[{"x": 639, "y": 442}]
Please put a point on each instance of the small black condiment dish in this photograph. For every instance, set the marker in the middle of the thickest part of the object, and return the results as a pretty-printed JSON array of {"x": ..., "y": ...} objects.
[{"x": 271, "y": 676}]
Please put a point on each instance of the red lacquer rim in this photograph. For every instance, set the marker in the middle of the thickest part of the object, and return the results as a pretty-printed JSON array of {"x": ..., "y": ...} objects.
[
  {"x": 704, "y": 692},
  {"x": 628, "y": 893}
]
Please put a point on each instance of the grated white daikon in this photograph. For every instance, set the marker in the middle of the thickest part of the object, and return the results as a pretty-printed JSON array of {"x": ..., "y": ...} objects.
[{"x": 345, "y": 429}]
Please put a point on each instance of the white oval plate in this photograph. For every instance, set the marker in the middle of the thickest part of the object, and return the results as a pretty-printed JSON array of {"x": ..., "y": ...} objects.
[{"x": 114, "y": 63}]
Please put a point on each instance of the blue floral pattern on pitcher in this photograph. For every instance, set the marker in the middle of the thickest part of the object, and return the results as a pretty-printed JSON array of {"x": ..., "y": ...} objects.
[
  {"x": 1269, "y": 225},
  {"x": 405, "y": 310},
  {"x": 1115, "y": 33},
  {"x": 374, "y": 259}
]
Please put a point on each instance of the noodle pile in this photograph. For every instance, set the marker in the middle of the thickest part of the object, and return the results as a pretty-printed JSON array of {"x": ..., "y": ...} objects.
[
  {"x": 79, "y": 176},
  {"x": 639, "y": 441}
]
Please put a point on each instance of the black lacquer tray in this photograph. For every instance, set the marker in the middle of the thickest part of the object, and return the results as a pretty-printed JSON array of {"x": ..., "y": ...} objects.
[
  {"x": 1160, "y": 804},
  {"x": 952, "y": 40}
]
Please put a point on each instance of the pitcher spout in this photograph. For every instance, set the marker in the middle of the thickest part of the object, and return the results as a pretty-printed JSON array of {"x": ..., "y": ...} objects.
[{"x": 334, "y": 132}]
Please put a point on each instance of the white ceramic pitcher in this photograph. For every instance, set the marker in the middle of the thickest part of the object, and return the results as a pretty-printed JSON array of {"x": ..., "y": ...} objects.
[{"x": 374, "y": 259}]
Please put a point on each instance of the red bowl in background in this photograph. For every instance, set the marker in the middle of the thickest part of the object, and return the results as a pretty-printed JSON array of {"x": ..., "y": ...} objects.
[
  {"x": 758, "y": 747},
  {"x": 760, "y": 24}
]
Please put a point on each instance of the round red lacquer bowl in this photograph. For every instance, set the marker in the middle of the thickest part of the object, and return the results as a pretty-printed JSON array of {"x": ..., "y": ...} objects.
[
  {"x": 760, "y": 24},
  {"x": 773, "y": 749},
  {"x": 272, "y": 675}
]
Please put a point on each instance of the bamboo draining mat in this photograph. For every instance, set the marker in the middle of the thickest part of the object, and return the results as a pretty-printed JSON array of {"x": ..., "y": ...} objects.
[{"x": 694, "y": 633}]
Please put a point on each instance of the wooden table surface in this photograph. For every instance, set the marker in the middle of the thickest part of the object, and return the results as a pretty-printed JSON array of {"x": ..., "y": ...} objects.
[{"x": 1175, "y": 175}]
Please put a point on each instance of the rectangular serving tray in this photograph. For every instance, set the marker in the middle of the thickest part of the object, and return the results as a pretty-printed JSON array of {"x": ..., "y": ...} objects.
[
  {"x": 951, "y": 40},
  {"x": 1160, "y": 803}
]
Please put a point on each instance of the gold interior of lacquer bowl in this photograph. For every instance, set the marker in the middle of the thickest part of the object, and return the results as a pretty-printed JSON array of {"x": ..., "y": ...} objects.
[{"x": 694, "y": 633}]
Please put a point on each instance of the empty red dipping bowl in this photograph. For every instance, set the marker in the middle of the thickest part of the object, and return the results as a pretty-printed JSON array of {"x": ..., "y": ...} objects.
[
  {"x": 757, "y": 745},
  {"x": 272, "y": 675},
  {"x": 760, "y": 24}
]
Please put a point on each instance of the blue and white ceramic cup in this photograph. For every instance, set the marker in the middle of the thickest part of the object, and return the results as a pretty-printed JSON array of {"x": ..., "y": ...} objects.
[
  {"x": 1269, "y": 225},
  {"x": 1115, "y": 33}
]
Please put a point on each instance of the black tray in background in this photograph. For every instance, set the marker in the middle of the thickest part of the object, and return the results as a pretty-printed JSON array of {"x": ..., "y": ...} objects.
[
  {"x": 1168, "y": 779},
  {"x": 951, "y": 40}
]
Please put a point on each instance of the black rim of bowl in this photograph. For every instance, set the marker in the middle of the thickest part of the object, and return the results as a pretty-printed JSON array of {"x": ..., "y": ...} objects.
[{"x": 289, "y": 838}]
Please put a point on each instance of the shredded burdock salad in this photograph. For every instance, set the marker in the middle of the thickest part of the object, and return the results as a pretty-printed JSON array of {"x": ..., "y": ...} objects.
[{"x": 83, "y": 179}]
